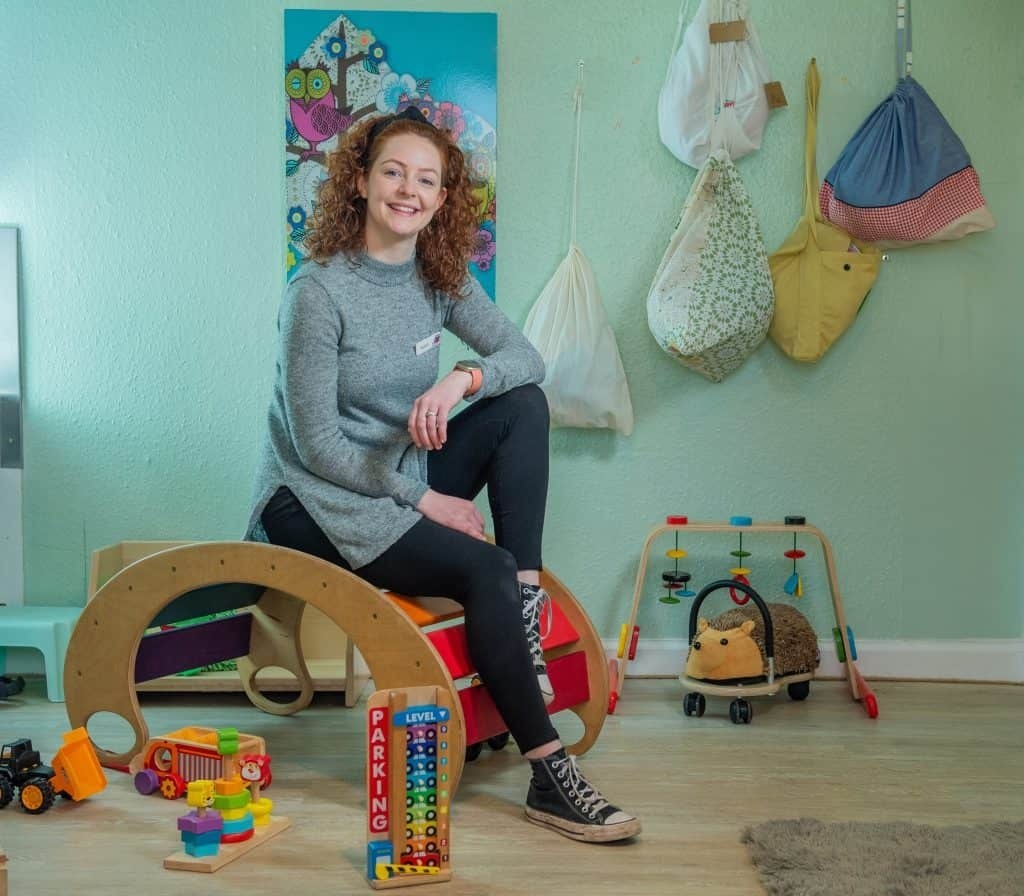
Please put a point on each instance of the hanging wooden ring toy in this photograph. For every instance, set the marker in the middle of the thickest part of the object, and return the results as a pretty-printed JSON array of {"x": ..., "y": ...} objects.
[
  {"x": 675, "y": 580},
  {"x": 740, "y": 573},
  {"x": 794, "y": 584}
]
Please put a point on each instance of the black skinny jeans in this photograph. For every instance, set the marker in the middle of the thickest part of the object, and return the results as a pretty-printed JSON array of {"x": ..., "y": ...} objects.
[{"x": 500, "y": 442}]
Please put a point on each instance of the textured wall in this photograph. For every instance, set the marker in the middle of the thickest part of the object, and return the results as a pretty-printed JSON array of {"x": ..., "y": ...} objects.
[{"x": 141, "y": 157}]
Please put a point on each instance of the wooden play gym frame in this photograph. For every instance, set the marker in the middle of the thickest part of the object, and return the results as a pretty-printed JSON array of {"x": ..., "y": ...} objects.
[{"x": 859, "y": 689}]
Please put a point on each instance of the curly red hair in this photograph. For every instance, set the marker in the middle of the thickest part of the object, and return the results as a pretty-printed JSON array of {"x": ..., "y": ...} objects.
[{"x": 338, "y": 222}]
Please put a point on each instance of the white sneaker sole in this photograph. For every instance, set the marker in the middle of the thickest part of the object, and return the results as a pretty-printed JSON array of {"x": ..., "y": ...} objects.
[{"x": 587, "y": 833}]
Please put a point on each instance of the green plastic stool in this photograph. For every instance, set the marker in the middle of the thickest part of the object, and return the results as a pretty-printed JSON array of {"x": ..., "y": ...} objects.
[{"x": 48, "y": 630}]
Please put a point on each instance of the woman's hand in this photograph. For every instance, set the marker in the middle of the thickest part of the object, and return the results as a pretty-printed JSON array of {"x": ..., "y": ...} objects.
[
  {"x": 455, "y": 513},
  {"x": 428, "y": 420}
]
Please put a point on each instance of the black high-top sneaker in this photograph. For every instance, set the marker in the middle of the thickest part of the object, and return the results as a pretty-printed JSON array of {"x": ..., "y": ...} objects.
[
  {"x": 537, "y": 604},
  {"x": 562, "y": 799}
]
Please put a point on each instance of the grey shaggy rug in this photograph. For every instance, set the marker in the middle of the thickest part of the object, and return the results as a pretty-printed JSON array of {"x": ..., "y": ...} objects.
[{"x": 806, "y": 857}]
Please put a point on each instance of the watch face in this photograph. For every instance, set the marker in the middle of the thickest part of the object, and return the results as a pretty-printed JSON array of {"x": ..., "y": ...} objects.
[{"x": 468, "y": 366}]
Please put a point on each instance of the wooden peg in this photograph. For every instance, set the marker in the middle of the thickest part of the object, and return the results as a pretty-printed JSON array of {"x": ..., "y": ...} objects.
[
  {"x": 723, "y": 32},
  {"x": 776, "y": 96}
]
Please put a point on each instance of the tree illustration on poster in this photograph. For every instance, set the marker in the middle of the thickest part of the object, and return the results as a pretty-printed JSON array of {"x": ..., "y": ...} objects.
[{"x": 341, "y": 67}]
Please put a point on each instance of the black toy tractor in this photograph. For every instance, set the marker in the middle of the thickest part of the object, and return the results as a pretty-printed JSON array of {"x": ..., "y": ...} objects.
[{"x": 21, "y": 771}]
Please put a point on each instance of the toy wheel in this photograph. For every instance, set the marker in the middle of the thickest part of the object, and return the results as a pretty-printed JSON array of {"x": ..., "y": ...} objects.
[
  {"x": 172, "y": 786},
  {"x": 37, "y": 796},
  {"x": 473, "y": 751},
  {"x": 694, "y": 704},
  {"x": 499, "y": 741},
  {"x": 840, "y": 650},
  {"x": 6, "y": 790},
  {"x": 147, "y": 781},
  {"x": 740, "y": 712},
  {"x": 871, "y": 705},
  {"x": 798, "y": 690}
]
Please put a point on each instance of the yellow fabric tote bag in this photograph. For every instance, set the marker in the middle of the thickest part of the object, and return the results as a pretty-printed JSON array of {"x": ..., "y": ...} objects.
[{"x": 821, "y": 274}]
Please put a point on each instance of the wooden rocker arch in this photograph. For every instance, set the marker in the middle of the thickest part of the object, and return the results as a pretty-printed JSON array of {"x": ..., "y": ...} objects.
[{"x": 270, "y": 586}]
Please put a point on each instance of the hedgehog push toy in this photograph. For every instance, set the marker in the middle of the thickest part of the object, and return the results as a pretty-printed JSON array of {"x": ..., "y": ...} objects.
[{"x": 747, "y": 652}]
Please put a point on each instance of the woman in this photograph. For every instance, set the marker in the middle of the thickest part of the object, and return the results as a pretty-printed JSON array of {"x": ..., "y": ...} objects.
[{"x": 362, "y": 465}]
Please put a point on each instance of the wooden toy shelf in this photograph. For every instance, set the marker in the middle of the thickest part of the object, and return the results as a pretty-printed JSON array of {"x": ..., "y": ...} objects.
[
  {"x": 859, "y": 689},
  {"x": 328, "y": 652}
]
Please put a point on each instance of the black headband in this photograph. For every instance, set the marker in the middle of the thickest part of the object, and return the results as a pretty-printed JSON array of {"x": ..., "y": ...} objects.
[{"x": 410, "y": 113}]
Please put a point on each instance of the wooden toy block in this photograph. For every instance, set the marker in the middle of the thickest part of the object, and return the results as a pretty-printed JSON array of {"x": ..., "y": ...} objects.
[
  {"x": 171, "y": 762},
  {"x": 193, "y": 823}
]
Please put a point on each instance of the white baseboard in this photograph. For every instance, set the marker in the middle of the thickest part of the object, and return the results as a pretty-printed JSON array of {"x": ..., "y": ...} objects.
[{"x": 981, "y": 659}]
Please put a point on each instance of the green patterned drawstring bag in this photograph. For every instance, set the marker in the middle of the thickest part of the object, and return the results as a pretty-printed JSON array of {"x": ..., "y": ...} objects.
[{"x": 712, "y": 298}]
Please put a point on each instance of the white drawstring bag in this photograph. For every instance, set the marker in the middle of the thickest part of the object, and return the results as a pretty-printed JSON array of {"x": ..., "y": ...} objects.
[
  {"x": 685, "y": 121},
  {"x": 585, "y": 383}
]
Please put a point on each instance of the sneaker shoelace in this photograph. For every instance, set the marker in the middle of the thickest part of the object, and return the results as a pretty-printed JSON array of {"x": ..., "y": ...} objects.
[
  {"x": 537, "y": 617},
  {"x": 586, "y": 794}
]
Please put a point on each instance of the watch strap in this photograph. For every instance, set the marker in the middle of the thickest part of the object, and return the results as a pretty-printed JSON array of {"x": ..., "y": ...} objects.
[{"x": 476, "y": 377}]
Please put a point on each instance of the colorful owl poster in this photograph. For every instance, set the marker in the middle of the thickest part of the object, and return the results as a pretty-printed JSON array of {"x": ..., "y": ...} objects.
[{"x": 341, "y": 67}]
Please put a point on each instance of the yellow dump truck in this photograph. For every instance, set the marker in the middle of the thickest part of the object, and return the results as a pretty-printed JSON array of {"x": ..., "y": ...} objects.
[{"x": 75, "y": 774}]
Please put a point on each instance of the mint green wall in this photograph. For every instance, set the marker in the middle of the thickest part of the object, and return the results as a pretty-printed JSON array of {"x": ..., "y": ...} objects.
[{"x": 141, "y": 157}]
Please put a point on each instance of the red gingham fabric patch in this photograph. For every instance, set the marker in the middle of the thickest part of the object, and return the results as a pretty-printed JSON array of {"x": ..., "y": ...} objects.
[{"x": 952, "y": 198}]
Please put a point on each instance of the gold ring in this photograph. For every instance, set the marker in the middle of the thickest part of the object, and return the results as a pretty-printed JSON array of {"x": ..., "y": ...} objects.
[{"x": 430, "y": 414}]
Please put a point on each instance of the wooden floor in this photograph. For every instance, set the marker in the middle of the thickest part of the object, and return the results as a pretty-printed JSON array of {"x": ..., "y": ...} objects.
[{"x": 939, "y": 753}]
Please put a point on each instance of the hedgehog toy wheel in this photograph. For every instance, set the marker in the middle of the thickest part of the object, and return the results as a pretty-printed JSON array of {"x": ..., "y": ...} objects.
[
  {"x": 740, "y": 712},
  {"x": 694, "y": 704},
  {"x": 798, "y": 690}
]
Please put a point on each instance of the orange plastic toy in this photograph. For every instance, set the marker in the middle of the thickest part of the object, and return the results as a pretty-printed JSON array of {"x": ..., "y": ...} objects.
[{"x": 75, "y": 774}]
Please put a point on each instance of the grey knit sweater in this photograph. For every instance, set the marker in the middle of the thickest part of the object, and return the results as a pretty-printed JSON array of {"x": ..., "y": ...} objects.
[{"x": 356, "y": 349}]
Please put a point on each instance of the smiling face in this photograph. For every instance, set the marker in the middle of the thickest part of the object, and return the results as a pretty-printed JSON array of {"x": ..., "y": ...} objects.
[{"x": 403, "y": 190}]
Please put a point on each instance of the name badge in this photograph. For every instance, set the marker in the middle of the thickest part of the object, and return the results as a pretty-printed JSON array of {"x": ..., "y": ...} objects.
[{"x": 429, "y": 342}]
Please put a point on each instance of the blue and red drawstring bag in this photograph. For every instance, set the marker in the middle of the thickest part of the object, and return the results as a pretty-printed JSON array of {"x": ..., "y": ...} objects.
[{"x": 905, "y": 176}]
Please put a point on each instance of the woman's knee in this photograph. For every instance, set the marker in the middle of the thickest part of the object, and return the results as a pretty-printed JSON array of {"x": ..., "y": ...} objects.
[
  {"x": 494, "y": 580},
  {"x": 531, "y": 404}
]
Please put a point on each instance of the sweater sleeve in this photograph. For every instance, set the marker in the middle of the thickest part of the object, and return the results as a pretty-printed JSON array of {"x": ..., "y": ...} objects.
[
  {"x": 310, "y": 332},
  {"x": 507, "y": 358}
]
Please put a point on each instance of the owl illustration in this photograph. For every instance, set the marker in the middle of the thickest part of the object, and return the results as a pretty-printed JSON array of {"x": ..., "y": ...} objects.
[{"x": 313, "y": 107}]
